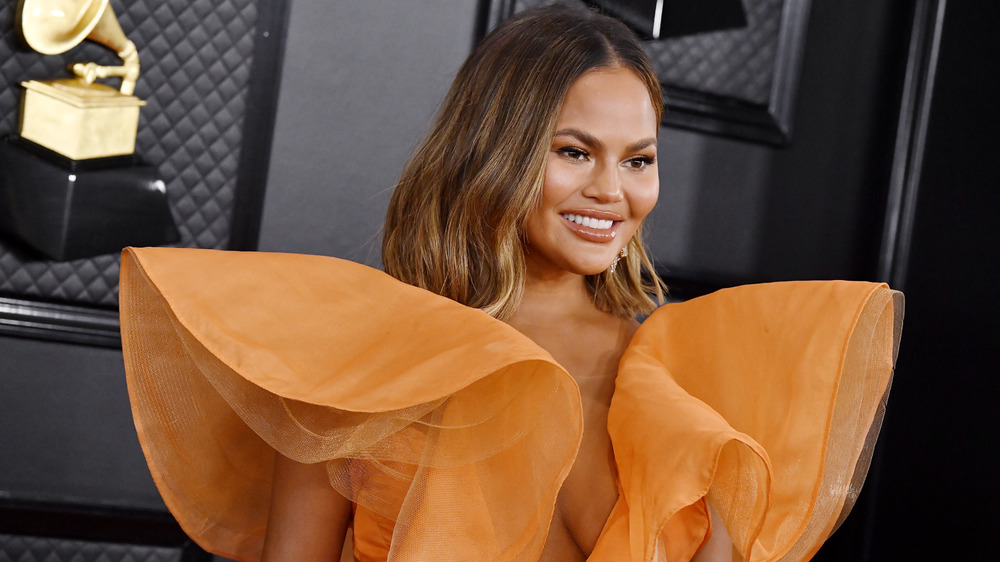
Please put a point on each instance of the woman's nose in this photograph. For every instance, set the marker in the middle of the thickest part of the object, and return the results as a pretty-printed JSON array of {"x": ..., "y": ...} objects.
[{"x": 606, "y": 186}]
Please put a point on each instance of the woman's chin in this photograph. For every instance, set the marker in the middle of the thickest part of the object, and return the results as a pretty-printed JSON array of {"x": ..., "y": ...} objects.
[
  {"x": 592, "y": 269},
  {"x": 560, "y": 264}
]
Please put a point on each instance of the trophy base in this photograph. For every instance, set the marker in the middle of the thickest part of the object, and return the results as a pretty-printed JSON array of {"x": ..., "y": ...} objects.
[
  {"x": 67, "y": 214},
  {"x": 66, "y": 163},
  {"x": 79, "y": 120}
]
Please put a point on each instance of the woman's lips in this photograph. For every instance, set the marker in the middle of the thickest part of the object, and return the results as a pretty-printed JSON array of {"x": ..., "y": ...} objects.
[{"x": 593, "y": 226}]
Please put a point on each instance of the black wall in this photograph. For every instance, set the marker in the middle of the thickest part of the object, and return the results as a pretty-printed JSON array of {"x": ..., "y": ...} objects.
[
  {"x": 66, "y": 432},
  {"x": 938, "y": 493}
]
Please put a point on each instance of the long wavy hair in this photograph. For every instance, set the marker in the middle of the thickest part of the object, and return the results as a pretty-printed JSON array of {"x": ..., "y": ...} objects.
[{"x": 456, "y": 220}]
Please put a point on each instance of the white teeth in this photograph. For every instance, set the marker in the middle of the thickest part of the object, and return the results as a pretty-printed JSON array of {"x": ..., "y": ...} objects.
[{"x": 589, "y": 222}]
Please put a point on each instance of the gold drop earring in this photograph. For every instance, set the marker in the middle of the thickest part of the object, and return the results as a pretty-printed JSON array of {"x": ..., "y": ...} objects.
[{"x": 621, "y": 254}]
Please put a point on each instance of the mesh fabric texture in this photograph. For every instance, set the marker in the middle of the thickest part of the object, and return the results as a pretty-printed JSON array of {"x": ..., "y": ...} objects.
[{"x": 453, "y": 432}]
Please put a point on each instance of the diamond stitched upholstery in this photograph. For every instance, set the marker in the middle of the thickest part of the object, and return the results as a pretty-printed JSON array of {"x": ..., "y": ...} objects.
[
  {"x": 736, "y": 63},
  {"x": 19, "y": 548},
  {"x": 196, "y": 58}
]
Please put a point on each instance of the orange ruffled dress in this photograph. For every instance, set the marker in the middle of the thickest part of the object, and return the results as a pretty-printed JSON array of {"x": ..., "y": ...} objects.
[{"x": 453, "y": 433}]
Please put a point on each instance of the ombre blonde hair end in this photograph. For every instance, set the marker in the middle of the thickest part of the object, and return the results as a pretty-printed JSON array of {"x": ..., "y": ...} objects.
[{"x": 456, "y": 221}]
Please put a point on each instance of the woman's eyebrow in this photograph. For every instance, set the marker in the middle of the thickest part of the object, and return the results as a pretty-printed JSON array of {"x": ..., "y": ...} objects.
[
  {"x": 639, "y": 145},
  {"x": 584, "y": 137},
  {"x": 592, "y": 141}
]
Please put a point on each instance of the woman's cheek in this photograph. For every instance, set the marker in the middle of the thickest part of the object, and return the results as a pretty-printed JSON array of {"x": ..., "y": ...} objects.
[
  {"x": 561, "y": 180},
  {"x": 645, "y": 196}
]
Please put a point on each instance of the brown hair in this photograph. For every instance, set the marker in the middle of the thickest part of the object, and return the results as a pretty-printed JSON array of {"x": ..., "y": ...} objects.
[{"x": 455, "y": 223}]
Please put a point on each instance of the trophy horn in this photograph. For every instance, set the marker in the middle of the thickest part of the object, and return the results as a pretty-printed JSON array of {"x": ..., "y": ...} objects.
[{"x": 52, "y": 27}]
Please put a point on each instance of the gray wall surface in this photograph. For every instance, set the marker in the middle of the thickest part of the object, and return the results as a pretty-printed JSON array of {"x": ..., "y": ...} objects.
[
  {"x": 362, "y": 81},
  {"x": 361, "y": 84}
]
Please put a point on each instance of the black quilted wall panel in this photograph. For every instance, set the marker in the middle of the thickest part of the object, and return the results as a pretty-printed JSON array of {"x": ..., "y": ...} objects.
[
  {"x": 17, "y": 548},
  {"x": 196, "y": 57},
  {"x": 737, "y": 63}
]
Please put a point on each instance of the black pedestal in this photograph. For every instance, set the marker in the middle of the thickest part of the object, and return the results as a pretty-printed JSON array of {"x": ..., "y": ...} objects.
[{"x": 67, "y": 211}]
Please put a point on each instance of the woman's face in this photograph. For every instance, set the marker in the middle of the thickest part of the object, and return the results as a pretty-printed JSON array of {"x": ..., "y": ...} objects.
[{"x": 600, "y": 175}]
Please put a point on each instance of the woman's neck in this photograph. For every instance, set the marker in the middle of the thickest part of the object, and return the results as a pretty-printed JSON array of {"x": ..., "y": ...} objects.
[
  {"x": 558, "y": 313},
  {"x": 553, "y": 299}
]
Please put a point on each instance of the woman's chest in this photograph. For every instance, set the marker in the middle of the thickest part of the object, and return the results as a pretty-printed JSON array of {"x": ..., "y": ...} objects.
[
  {"x": 591, "y": 489},
  {"x": 588, "y": 495}
]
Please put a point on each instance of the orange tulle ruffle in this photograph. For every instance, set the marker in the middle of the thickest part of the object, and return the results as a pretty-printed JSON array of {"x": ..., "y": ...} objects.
[{"x": 453, "y": 433}]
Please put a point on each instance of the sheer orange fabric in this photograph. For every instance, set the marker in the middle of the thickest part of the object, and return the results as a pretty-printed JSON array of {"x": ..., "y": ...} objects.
[
  {"x": 766, "y": 399},
  {"x": 453, "y": 433}
]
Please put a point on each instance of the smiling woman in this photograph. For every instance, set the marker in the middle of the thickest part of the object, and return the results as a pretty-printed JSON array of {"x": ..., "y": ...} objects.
[
  {"x": 457, "y": 221},
  {"x": 502, "y": 402},
  {"x": 600, "y": 175}
]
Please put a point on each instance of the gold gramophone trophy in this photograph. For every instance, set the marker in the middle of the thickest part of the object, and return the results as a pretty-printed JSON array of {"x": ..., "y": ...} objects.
[
  {"x": 79, "y": 117},
  {"x": 70, "y": 184}
]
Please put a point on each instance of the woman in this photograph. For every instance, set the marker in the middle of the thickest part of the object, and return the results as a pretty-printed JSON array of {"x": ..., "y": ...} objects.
[{"x": 562, "y": 432}]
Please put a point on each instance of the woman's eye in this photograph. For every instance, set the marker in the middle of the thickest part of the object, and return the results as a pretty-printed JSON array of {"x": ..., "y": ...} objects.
[
  {"x": 639, "y": 162},
  {"x": 573, "y": 153}
]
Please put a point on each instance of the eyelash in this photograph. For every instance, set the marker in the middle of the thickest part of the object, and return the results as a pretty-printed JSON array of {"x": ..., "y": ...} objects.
[
  {"x": 574, "y": 153},
  {"x": 645, "y": 161}
]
